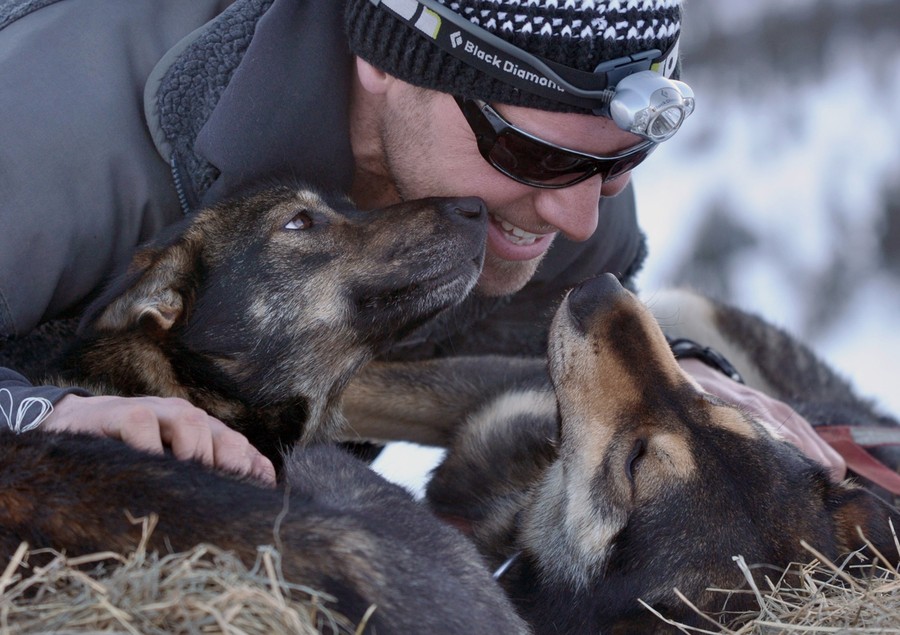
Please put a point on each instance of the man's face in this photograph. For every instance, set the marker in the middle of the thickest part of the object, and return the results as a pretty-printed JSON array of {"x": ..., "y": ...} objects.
[{"x": 430, "y": 150}]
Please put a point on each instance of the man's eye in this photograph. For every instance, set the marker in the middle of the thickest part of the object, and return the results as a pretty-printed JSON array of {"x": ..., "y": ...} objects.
[{"x": 301, "y": 220}]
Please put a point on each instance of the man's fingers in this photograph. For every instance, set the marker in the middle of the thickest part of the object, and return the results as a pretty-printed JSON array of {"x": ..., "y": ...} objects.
[
  {"x": 234, "y": 452},
  {"x": 818, "y": 449},
  {"x": 130, "y": 421},
  {"x": 151, "y": 423},
  {"x": 134, "y": 423},
  {"x": 186, "y": 429},
  {"x": 836, "y": 464},
  {"x": 263, "y": 469},
  {"x": 797, "y": 430},
  {"x": 193, "y": 434}
]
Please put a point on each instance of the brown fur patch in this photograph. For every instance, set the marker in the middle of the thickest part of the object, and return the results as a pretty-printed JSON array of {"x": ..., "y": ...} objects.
[{"x": 735, "y": 421}]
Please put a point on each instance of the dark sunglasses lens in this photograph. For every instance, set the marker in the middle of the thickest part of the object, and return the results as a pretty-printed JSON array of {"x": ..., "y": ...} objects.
[
  {"x": 620, "y": 166},
  {"x": 532, "y": 162}
]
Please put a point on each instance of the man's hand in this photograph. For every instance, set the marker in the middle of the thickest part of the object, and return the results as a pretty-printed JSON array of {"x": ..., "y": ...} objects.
[
  {"x": 150, "y": 423},
  {"x": 777, "y": 414}
]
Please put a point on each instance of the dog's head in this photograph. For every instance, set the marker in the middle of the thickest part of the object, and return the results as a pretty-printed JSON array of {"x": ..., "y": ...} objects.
[
  {"x": 277, "y": 298},
  {"x": 659, "y": 484}
]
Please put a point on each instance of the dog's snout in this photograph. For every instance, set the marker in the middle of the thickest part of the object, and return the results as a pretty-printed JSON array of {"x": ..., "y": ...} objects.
[
  {"x": 592, "y": 295},
  {"x": 470, "y": 207}
]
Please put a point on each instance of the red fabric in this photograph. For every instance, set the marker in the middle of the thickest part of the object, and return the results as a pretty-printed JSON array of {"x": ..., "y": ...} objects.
[{"x": 841, "y": 439}]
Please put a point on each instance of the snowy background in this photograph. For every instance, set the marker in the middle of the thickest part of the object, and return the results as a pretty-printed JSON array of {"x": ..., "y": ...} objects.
[{"x": 781, "y": 193}]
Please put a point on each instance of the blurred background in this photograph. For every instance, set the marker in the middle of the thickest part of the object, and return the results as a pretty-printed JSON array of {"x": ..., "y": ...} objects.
[{"x": 781, "y": 193}]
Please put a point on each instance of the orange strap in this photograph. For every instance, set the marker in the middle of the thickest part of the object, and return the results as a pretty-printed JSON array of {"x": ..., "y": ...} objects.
[{"x": 850, "y": 442}]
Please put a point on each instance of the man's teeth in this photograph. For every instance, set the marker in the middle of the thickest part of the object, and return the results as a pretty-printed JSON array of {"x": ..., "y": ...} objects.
[{"x": 516, "y": 235}]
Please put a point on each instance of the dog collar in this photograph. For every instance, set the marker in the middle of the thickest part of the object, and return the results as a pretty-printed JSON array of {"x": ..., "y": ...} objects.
[{"x": 684, "y": 348}]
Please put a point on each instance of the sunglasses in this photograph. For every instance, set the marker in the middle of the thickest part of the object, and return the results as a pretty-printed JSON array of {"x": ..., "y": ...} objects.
[{"x": 527, "y": 159}]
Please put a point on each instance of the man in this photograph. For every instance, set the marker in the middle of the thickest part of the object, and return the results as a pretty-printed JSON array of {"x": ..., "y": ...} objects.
[{"x": 118, "y": 117}]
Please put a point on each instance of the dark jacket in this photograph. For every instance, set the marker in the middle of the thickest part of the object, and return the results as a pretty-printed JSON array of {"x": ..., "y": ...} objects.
[{"x": 118, "y": 117}]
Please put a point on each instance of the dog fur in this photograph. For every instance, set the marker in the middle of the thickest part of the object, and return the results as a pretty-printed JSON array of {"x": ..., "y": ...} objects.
[
  {"x": 625, "y": 480},
  {"x": 341, "y": 529},
  {"x": 773, "y": 361},
  {"x": 260, "y": 309}
]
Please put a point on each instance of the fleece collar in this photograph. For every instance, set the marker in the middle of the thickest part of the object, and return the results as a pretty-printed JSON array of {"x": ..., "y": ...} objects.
[
  {"x": 12, "y": 10},
  {"x": 261, "y": 90}
]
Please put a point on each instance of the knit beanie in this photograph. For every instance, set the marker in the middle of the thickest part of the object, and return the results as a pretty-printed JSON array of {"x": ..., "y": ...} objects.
[{"x": 578, "y": 34}]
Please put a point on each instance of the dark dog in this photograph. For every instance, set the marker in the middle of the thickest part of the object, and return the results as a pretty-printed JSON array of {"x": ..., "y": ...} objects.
[
  {"x": 624, "y": 482},
  {"x": 345, "y": 530},
  {"x": 260, "y": 309}
]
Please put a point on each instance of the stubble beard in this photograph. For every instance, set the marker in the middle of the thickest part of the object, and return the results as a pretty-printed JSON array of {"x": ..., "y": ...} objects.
[
  {"x": 400, "y": 140},
  {"x": 505, "y": 277}
]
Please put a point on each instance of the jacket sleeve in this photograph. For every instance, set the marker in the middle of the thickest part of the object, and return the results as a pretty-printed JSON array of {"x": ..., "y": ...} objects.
[
  {"x": 81, "y": 183},
  {"x": 22, "y": 406}
]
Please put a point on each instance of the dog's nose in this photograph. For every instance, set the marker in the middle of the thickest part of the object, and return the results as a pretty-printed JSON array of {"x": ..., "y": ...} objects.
[
  {"x": 592, "y": 295},
  {"x": 468, "y": 207}
]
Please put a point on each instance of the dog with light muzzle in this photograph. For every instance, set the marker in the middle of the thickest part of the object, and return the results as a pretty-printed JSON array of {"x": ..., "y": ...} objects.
[{"x": 624, "y": 480}]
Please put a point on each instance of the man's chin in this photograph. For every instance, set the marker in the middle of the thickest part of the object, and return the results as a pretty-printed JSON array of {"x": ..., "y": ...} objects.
[{"x": 504, "y": 277}]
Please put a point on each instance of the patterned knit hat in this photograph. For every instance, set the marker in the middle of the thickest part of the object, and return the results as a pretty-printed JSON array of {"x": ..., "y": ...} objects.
[{"x": 578, "y": 34}]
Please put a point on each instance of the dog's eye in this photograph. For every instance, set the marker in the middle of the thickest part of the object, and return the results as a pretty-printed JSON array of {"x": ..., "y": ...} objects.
[
  {"x": 301, "y": 220},
  {"x": 634, "y": 457}
]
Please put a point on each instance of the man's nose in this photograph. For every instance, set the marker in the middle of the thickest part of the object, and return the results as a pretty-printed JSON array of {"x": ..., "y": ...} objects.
[{"x": 572, "y": 210}]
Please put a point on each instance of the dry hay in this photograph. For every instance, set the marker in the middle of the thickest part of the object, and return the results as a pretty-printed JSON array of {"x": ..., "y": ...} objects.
[
  {"x": 207, "y": 590},
  {"x": 856, "y": 597},
  {"x": 204, "y": 590}
]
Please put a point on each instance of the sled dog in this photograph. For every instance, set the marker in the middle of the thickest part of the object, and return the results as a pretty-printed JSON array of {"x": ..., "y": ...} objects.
[
  {"x": 622, "y": 480},
  {"x": 259, "y": 309}
]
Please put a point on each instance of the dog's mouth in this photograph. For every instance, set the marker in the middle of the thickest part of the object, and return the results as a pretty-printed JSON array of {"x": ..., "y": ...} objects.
[
  {"x": 441, "y": 289},
  {"x": 450, "y": 287},
  {"x": 388, "y": 314}
]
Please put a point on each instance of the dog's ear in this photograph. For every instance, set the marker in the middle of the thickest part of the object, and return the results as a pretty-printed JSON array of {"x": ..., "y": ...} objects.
[
  {"x": 857, "y": 511},
  {"x": 155, "y": 292}
]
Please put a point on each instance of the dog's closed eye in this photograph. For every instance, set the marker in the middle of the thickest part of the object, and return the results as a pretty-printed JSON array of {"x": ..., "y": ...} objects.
[
  {"x": 637, "y": 453},
  {"x": 301, "y": 220}
]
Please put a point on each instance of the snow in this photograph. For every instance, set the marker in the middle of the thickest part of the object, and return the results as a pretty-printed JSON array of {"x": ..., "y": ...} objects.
[{"x": 804, "y": 167}]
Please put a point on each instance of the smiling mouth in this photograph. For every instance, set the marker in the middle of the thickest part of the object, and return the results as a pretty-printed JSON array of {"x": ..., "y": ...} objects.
[{"x": 515, "y": 235}]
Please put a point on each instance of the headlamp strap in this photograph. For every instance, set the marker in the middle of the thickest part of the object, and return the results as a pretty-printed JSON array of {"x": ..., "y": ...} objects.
[{"x": 498, "y": 58}]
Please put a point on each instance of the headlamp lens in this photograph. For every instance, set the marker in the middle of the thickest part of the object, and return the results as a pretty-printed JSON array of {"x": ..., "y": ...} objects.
[{"x": 666, "y": 123}]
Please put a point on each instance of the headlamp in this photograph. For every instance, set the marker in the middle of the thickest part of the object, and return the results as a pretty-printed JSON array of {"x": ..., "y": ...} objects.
[
  {"x": 650, "y": 105},
  {"x": 635, "y": 92}
]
